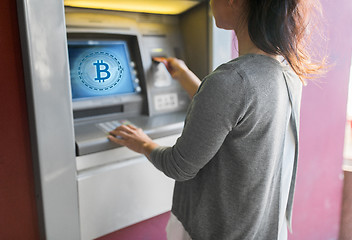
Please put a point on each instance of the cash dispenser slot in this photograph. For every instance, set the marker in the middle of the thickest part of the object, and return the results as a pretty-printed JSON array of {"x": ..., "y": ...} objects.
[{"x": 97, "y": 112}]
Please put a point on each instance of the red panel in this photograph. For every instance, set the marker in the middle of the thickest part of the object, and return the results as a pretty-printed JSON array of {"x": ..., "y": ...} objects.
[
  {"x": 152, "y": 229},
  {"x": 319, "y": 183},
  {"x": 17, "y": 199}
]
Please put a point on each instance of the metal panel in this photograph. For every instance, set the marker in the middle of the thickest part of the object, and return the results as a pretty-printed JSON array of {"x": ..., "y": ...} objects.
[
  {"x": 195, "y": 33},
  {"x": 118, "y": 188},
  {"x": 44, "y": 44},
  {"x": 106, "y": 205},
  {"x": 44, "y": 48}
]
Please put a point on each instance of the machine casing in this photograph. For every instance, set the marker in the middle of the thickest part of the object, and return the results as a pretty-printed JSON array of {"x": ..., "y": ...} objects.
[{"x": 86, "y": 186}]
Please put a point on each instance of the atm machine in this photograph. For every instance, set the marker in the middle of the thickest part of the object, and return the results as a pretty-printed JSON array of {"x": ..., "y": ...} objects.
[{"x": 113, "y": 80}]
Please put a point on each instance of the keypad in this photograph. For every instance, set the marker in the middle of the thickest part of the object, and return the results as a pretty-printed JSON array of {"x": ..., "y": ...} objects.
[{"x": 111, "y": 125}]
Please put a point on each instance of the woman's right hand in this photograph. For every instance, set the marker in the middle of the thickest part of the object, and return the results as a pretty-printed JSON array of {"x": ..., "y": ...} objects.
[
  {"x": 179, "y": 71},
  {"x": 177, "y": 68}
]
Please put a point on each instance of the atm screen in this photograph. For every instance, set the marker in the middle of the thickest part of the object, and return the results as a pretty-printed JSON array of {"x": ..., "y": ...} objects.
[{"x": 100, "y": 68}]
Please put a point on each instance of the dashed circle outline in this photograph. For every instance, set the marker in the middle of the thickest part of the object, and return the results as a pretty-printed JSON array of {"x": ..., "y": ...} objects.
[{"x": 120, "y": 70}]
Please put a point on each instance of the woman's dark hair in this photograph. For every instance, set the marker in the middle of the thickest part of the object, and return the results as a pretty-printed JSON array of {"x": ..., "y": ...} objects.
[{"x": 283, "y": 27}]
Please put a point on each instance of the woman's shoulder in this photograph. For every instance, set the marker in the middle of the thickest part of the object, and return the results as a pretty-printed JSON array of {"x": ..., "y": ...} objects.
[
  {"x": 236, "y": 71},
  {"x": 251, "y": 74},
  {"x": 224, "y": 76},
  {"x": 255, "y": 69},
  {"x": 255, "y": 63}
]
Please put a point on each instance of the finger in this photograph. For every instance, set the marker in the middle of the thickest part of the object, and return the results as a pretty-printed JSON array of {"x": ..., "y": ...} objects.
[
  {"x": 131, "y": 127},
  {"x": 161, "y": 60},
  {"x": 116, "y": 140},
  {"x": 127, "y": 128},
  {"x": 171, "y": 65},
  {"x": 121, "y": 134},
  {"x": 171, "y": 60},
  {"x": 118, "y": 130},
  {"x": 114, "y": 132}
]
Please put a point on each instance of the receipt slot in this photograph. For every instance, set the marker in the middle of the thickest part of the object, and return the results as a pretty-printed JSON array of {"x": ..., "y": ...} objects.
[{"x": 90, "y": 69}]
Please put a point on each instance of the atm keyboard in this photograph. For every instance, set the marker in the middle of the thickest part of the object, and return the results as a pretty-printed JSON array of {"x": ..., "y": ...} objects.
[{"x": 111, "y": 125}]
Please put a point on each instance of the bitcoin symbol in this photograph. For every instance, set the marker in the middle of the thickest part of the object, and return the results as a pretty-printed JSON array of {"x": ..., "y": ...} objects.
[
  {"x": 99, "y": 66},
  {"x": 100, "y": 75}
]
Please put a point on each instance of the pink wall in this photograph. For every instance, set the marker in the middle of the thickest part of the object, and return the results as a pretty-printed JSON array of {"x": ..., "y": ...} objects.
[{"x": 319, "y": 184}]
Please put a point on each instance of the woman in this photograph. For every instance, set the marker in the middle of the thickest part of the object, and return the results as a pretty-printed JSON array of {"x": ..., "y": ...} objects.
[{"x": 235, "y": 162}]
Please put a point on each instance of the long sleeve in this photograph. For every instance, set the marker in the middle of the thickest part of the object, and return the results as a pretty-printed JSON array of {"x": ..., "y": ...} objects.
[
  {"x": 213, "y": 112},
  {"x": 232, "y": 152}
]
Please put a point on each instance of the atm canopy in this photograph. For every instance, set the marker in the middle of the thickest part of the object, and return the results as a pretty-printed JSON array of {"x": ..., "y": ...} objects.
[{"x": 170, "y": 7}]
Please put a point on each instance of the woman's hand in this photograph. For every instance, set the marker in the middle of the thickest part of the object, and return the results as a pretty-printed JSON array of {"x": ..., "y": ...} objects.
[
  {"x": 177, "y": 68},
  {"x": 179, "y": 71},
  {"x": 133, "y": 138}
]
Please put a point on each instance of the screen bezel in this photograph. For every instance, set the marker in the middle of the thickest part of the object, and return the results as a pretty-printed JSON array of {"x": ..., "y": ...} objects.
[
  {"x": 103, "y": 43},
  {"x": 133, "y": 50}
]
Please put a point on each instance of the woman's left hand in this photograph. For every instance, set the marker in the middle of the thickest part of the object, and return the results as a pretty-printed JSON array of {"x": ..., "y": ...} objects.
[{"x": 133, "y": 138}]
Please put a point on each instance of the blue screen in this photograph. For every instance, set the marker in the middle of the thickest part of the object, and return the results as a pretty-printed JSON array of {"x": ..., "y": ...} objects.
[{"x": 99, "y": 68}]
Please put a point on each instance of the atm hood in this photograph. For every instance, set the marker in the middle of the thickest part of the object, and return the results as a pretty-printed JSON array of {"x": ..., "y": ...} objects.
[{"x": 170, "y": 7}]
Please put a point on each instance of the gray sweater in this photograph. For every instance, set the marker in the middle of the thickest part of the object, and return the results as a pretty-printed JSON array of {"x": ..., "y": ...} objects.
[{"x": 228, "y": 161}]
